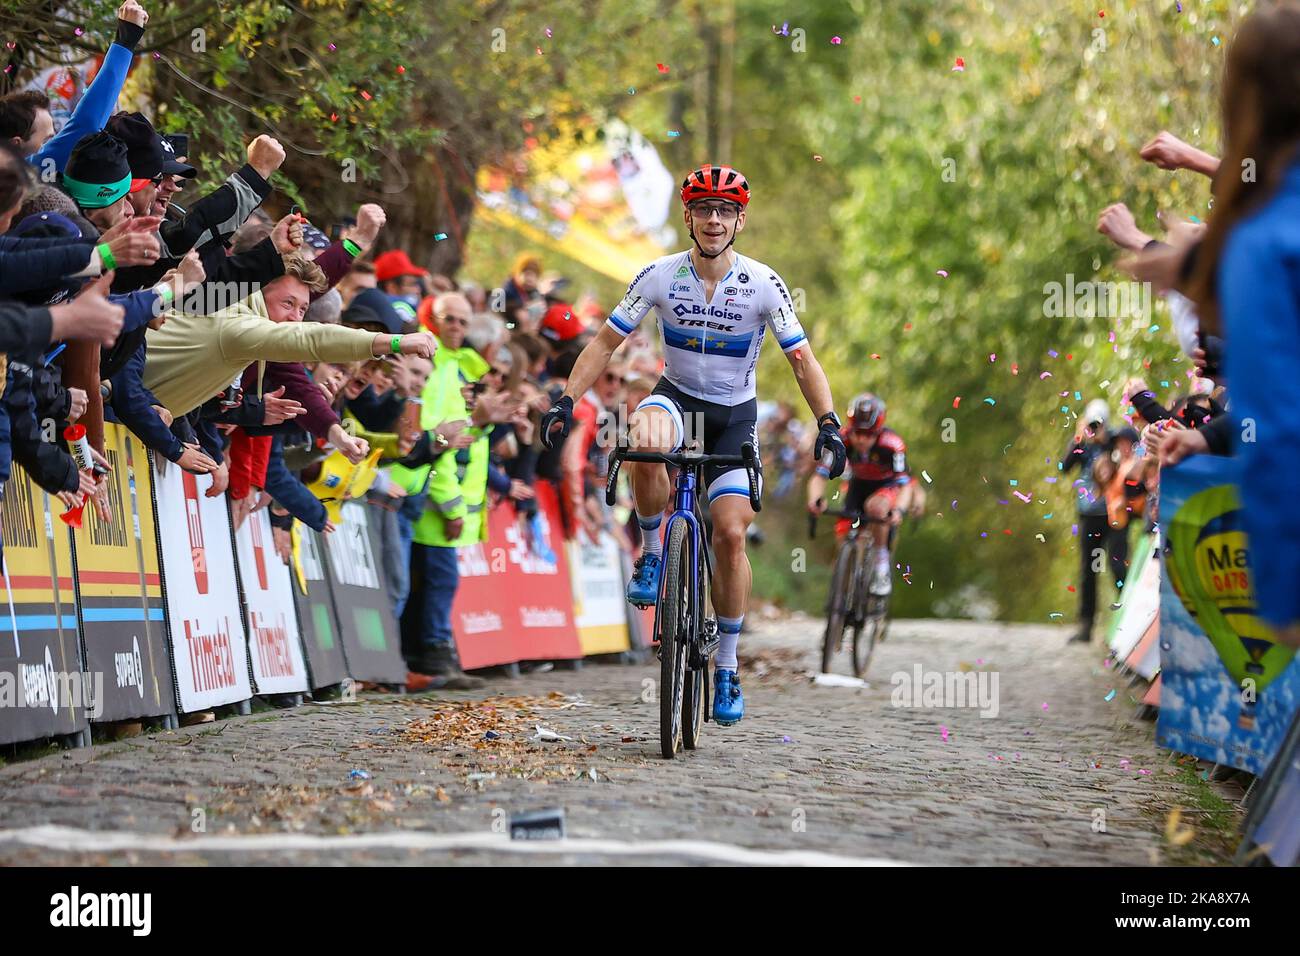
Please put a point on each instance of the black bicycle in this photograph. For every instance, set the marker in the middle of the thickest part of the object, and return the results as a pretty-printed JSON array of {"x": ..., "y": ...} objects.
[
  {"x": 687, "y": 635},
  {"x": 850, "y": 605}
]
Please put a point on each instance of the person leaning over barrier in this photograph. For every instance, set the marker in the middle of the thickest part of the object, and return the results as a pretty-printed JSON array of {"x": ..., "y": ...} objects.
[{"x": 193, "y": 357}]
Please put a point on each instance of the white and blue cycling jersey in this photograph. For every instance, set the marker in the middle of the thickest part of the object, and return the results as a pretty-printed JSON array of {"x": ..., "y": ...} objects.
[{"x": 711, "y": 347}]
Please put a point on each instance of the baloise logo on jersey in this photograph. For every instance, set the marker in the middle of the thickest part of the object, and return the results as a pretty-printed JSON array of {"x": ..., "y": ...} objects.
[{"x": 711, "y": 312}]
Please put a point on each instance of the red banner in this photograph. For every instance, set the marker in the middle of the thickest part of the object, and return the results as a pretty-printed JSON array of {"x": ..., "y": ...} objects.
[{"x": 515, "y": 602}]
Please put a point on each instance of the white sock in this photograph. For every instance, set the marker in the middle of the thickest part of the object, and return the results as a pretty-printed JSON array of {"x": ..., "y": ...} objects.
[
  {"x": 651, "y": 543},
  {"x": 729, "y": 639}
]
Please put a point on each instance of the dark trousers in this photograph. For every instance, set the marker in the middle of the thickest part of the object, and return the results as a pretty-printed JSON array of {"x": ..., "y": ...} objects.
[
  {"x": 426, "y": 619},
  {"x": 1096, "y": 533}
]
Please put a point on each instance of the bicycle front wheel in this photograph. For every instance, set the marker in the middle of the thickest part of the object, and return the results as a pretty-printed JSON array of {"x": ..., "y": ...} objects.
[
  {"x": 837, "y": 605},
  {"x": 673, "y": 623}
]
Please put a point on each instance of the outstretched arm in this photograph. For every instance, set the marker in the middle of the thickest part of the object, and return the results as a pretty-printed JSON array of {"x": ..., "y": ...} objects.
[{"x": 812, "y": 380}]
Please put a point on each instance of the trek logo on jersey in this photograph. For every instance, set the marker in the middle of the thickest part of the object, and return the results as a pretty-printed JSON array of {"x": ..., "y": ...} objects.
[
  {"x": 702, "y": 324},
  {"x": 785, "y": 295},
  {"x": 711, "y": 311}
]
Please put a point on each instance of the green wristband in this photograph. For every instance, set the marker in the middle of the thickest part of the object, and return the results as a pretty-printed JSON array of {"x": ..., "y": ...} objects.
[
  {"x": 106, "y": 257},
  {"x": 351, "y": 248},
  {"x": 396, "y": 345}
]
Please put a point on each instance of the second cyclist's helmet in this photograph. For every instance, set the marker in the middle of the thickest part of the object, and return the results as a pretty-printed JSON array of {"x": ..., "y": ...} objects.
[{"x": 867, "y": 413}]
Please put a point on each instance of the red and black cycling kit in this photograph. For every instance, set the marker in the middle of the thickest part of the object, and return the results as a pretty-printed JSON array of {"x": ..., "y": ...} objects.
[{"x": 882, "y": 469}]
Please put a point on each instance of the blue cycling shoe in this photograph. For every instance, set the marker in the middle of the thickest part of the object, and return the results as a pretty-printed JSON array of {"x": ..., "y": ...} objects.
[
  {"x": 728, "y": 701},
  {"x": 643, "y": 589}
]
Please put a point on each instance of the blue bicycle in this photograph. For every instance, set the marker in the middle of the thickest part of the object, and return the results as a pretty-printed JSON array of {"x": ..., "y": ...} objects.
[{"x": 687, "y": 635}]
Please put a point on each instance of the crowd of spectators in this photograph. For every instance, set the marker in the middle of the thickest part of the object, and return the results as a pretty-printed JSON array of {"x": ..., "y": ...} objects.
[{"x": 273, "y": 358}]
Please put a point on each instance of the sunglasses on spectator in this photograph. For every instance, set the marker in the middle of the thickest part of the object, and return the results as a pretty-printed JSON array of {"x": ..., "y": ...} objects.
[
  {"x": 498, "y": 370},
  {"x": 614, "y": 377},
  {"x": 704, "y": 211}
]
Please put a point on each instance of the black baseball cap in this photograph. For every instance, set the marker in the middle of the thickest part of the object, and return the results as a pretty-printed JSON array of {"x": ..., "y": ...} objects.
[{"x": 149, "y": 155}]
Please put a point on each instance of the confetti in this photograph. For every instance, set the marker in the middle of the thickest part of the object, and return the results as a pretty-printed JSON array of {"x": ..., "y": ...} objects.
[
  {"x": 991, "y": 401},
  {"x": 784, "y": 30},
  {"x": 1215, "y": 41},
  {"x": 1054, "y": 615},
  {"x": 941, "y": 272},
  {"x": 334, "y": 117},
  {"x": 926, "y": 475},
  {"x": 956, "y": 402},
  {"x": 1044, "y": 705},
  {"x": 1043, "y": 375},
  {"x": 1109, "y": 697},
  {"x": 1101, "y": 13},
  {"x": 401, "y": 69},
  {"x": 816, "y": 157},
  {"x": 663, "y": 67},
  {"x": 954, "y": 504},
  {"x": 366, "y": 96},
  {"x": 943, "y": 732},
  {"x": 857, "y": 99},
  {"x": 673, "y": 132},
  {"x": 548, "y": 33},
  {"x": 836, "y": 40},
  {"x": 333, "y": 48},
  {"x": 1053, "y": 353},
  {"x": 1015, "y": 369},
  {"x": 959, "y": 66},
  {"x": 631, "y": 91},
  {"x": 79, "y": 32},
  {"x": 439, "y": 237},
  {"x": 1023, "y": 497},
  {"x": 1040, "y": 537}
]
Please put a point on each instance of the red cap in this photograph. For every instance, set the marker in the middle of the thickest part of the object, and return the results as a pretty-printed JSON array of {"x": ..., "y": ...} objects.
[
  {"x": 395, "y": 263},
  {"x": 559, "y": 324}
]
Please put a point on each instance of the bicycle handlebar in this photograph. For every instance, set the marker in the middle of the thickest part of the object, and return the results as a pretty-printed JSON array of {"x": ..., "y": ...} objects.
[
  {"x": 691, "y": 460},
  {"x": 841, "y": 513}
]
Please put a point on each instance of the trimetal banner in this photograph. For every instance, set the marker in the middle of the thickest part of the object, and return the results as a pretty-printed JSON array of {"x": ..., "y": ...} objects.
[
  {"x": 1229, "y": 689},
  {"x": 515, "y": 602},
  {"x": 274, "y": 644},
  {"x": 205, "y": 624},
  {"x": 368, "y": 631},
  {"x": 42, "y": 689},
  {"x": 119, "y": 590},
  {"x": 600, "y": 605},
  {"x": 315, "y": 605}
]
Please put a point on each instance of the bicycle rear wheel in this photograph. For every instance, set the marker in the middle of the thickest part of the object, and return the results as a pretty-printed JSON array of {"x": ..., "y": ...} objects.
[
  {"x": 673, "y": 624},
  {"x": 837, "y": 605}
]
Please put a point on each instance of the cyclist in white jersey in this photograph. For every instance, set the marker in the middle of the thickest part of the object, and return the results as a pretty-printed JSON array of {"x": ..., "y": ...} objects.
[{"x": 714, "y": 307}]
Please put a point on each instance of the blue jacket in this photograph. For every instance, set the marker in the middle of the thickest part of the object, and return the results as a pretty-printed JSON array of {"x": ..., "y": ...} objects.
[
  {"x": 132, "y": 405},
  {"x": 1259, "y": 299},
  {"x": 290, "y": 493},
  {"x": 92, "y": 112}
]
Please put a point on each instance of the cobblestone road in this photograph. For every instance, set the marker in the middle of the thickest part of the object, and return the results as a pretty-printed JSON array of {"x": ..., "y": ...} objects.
[{"x": 811, "y": 769}]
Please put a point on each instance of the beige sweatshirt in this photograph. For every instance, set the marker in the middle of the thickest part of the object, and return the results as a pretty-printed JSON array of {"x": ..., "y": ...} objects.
[{"x": 194, "y": 357}]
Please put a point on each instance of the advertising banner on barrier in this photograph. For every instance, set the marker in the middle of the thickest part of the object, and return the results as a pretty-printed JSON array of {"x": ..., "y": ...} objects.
[
  {"x": 1141, "y": 604},
  {"x": 599, "y": 602},
  {"x": 514, "y": 602},
  {"x": 368, "y": 631},
  {"x": 43, "y": 691},
  {"x": 274, "y": 644},
  {"x": 119, "y": 590},
  {"x": 205, "y": 624},
  {"x": 1229, "y": 689},
  {"x": 315, "y": 605}
]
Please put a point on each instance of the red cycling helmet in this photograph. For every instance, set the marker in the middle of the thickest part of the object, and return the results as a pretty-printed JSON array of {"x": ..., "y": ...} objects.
[
  {"x": 867, "y": 413},
  {"x": 715, "y": 182}
]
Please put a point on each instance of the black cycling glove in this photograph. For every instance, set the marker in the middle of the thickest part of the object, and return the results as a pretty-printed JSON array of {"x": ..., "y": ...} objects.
[
  {"x": 830, "y": 441},
  {"x": 561, "y": 412}
]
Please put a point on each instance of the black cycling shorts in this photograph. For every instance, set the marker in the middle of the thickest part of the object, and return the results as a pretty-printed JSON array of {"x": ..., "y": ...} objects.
[{"x": 720, "y": 428}]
